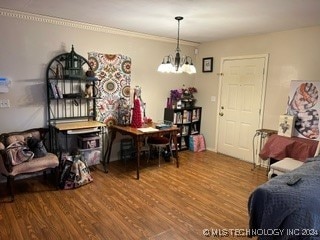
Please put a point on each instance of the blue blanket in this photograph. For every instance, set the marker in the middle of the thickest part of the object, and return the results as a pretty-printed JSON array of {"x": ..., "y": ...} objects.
[{"x": 279, "y": 211}]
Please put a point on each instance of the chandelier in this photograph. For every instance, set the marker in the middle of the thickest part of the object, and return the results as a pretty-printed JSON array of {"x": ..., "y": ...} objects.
[{"x": 177, "y": 64}]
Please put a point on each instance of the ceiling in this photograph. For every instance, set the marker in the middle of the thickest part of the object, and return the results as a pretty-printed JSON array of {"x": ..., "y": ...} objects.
[{"x": 204, "y": 20}]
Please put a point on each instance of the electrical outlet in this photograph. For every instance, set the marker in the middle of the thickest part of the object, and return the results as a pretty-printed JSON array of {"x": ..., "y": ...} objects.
[
  {"x": 4, "y": 103},
  {"x": 7, "y": 103}
]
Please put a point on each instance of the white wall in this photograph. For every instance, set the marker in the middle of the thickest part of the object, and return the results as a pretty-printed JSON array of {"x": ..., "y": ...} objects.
[
  {"x": 293, "y": 55},
  {"x": 27, "y": 46}
]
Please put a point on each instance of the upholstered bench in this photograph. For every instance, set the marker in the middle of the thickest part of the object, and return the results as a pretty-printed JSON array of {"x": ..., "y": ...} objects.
[
  {"x": 36, "y": 164},
  {"x": 287, "y": 164},
  {"x": 283, "y": 166}
]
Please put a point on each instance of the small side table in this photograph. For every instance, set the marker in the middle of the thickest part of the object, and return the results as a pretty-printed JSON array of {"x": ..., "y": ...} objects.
[{"x": 263, "y": 134}]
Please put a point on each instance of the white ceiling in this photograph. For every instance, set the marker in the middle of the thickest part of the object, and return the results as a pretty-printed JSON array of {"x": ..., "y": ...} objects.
[{"x": 204, "y": 20}]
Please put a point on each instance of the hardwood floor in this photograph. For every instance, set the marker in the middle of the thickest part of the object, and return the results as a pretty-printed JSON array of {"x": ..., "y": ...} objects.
[{"x": 208, "y": 191}]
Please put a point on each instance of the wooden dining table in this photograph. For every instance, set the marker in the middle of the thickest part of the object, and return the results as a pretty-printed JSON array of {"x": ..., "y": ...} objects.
[{"x": 139, "y": 135}]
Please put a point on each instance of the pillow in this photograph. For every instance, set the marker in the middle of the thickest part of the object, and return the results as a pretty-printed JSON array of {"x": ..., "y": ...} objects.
[
  {"x": 37, "y": 147},
  {"x": 18, "y": 152},
  {"x": 15, "y": 138}
]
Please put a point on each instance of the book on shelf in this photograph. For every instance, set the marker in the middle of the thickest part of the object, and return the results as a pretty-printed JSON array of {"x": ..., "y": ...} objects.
[
  {"x": 183, "y": 143},
  {"x": 59, "y": 91},
  {"x": 177, "y": 117},
  {"x": 195, "y": 115},
  {"x": 186, "y": 116},
  {"x": 54, "y": 90},
  {"x": 185, "y": 130},
  {"x": 194, "y": 129}
]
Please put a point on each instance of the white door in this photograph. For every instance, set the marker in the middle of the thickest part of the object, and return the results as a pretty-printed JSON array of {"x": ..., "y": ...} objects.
[{"x": 240, "y": 106}]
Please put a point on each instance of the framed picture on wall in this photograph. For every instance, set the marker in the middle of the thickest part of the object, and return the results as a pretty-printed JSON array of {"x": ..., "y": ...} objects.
[{"x": 207, "y": 64}]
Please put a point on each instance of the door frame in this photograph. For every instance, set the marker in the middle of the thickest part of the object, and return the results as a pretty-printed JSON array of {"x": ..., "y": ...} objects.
[{"x": 264, "y": 83}]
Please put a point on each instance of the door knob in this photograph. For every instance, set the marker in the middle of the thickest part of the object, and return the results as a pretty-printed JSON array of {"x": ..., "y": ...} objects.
[{"x": 221, "y": 114}]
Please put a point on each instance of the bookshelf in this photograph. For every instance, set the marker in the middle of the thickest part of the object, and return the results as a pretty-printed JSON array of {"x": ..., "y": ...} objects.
[{"x": 189, "y": 122}]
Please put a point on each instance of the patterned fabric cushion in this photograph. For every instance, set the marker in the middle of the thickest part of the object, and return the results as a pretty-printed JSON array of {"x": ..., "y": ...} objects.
[
  {"x": 36, "y": 164},
  {"x": 23, "y": 137}
]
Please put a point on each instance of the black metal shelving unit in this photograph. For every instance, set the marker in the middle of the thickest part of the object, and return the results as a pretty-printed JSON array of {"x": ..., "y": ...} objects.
[{"x": 71, "y": 94}]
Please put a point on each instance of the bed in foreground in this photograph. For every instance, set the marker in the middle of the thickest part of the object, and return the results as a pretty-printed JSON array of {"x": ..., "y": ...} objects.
[{"x": 280, "y": 211}]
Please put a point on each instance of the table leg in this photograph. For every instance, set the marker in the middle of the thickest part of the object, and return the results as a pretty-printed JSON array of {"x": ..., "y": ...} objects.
[
  {"x": 263, "y": 134},
  {"x": 175, "y": 141},
  {"x": 106, "y": 158},
  {"x": 138, "y": 149},
  {"x": 254, "y": 149}
]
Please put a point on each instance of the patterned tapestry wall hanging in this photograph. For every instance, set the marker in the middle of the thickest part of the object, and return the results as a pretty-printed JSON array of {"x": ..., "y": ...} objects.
[
  {"x": 114, "y": 71},
  {"x": 303, "y": 103}
]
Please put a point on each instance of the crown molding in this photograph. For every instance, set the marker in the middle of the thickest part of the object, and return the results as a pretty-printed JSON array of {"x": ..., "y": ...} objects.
[{"x": 86, "y": 26}]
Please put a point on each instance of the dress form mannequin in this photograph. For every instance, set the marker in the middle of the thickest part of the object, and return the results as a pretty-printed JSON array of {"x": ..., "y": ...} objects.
[{"x": 138, "y": 108}]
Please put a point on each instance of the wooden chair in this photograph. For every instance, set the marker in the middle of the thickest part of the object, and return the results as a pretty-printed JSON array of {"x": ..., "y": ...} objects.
[
  {"x": 127, "y": 150},
  {"x": 160, "y": 144}
]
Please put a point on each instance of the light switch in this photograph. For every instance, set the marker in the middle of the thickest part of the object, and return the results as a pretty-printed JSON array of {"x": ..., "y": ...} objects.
[
  {"x": 213, "y": 98},
  {"x": 4, "y": 103}
]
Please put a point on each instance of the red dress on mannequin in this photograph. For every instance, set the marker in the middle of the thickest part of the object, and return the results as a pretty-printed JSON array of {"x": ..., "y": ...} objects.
[{"x": 136, "y": 114}]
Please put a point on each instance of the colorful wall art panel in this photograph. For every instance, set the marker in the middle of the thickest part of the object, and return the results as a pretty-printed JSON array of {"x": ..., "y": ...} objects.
[
  {"x": 303, "y": 103},
  {"x": 114, "y": 73}
]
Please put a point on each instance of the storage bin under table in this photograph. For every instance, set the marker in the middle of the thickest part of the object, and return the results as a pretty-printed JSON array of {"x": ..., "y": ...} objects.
[
  {"x": 89, "y": 141},
  {"x": 91, "y": 156}
]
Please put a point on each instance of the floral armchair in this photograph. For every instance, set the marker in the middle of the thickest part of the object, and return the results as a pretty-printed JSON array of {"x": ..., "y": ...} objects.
[{"x": 36, "y": 164}]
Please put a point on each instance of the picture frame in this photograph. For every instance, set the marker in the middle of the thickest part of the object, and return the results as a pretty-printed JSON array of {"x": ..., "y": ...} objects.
[
  {"x": 207, "y": 64},
  {"x": 286, "y": 125}
]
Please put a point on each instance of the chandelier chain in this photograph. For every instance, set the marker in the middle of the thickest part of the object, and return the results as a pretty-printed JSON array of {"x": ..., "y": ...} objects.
[{"x": 178, "y": 39}]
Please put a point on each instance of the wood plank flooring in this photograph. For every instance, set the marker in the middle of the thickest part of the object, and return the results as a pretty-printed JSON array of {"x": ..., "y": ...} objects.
[{"x": 208, "y": 191}]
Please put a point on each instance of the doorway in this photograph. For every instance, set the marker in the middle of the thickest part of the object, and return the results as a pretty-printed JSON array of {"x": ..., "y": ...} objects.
[{"x": 240, "y": 107}]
